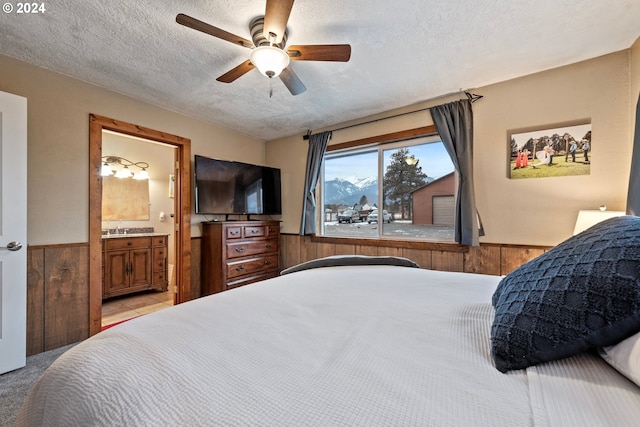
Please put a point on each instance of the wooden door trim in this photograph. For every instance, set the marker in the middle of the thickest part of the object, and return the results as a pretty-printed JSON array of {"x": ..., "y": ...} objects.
[{"x": 183, "y": 215}]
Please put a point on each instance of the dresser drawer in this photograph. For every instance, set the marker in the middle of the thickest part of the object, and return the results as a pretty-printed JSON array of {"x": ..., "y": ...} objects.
[
  {"x": 273, "y": 230},
  {"x": 234, "y": 232},
  {"x": 127, "y": 242},
  {"x": 159, "y": 253},
  {"x": 251, "y": 266},
  {"x": 245, "y": 280},
  {"x": 159, "y": 278},
  {"x": 241, "y": 249},
  {"x": 159, "y": 241},
  {"x": 158, "y": 265},
  {"x": 254, "y": 231}
]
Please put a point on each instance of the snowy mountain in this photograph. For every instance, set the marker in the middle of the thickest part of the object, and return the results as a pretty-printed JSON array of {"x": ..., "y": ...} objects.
[
  {"x": 360, "y": 182},
  {"x": 348, "y": 190}
]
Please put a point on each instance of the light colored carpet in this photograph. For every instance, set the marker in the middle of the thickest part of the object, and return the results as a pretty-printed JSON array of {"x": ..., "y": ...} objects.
[{"x": 15, "y": 385}]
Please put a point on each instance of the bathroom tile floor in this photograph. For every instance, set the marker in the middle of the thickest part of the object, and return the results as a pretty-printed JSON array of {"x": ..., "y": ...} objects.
[{"x": 128, "y": 306}]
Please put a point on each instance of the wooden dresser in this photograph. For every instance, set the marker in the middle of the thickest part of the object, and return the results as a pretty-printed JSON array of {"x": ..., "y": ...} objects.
[
  {"x": 133, "y": 264},
  {"x": 236, "y": 253}
]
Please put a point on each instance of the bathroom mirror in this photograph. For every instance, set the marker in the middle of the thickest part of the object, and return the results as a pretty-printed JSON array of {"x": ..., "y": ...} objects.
[{"x": 125, "y": 199}]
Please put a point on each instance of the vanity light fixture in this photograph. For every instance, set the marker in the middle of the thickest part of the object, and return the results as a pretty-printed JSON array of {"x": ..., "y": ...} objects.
[
  {"x": 122, "y": 166},
  {"x": 124, "y": 173},
  {"x": 142, "y": 174}
]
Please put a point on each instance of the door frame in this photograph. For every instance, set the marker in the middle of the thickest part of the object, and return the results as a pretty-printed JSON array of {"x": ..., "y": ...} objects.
[{"x": 183, "y": 214}]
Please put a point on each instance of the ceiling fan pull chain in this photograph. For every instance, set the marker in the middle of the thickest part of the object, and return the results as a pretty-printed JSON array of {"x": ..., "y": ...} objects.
[{"x": 270, "y": 87}]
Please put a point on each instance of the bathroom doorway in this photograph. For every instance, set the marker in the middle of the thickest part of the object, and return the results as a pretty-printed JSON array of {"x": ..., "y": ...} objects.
[
  {"x": 181, "y": 220},
  {"x": 138, "y": 206}
]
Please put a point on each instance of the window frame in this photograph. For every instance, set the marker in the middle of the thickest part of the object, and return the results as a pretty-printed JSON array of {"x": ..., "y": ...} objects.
[{"x": 381, "y": 239}]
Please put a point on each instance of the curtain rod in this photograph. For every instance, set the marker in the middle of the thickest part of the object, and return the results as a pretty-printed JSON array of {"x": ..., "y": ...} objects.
[{"x": 471, "y": 96}]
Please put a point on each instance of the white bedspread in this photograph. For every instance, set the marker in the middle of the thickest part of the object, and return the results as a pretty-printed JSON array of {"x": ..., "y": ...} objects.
[{"x": 340, "y": 346}]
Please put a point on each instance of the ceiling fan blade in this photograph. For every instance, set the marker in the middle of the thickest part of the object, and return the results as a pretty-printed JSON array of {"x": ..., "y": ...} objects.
[
  {"x": 196, "y": 24},
  {"x": 276, "y": 17},
  {"x": 237, "y": 72},
  {"x": 291, "y": 81},
  {"x": 320, "y": 52}
]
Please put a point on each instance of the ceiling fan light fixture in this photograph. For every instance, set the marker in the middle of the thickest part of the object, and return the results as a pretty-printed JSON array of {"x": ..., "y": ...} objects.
[{"x": 269, "y": 60}]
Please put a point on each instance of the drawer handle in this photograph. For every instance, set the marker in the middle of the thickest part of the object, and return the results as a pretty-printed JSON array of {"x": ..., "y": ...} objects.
[
  {"x": 240, "y": 268},
  {"x": 240, "y": 249},
  {"x": 268, "y": 245},
  {"x": 267, "y": 262},
  {"x": 255, "y": 231},
  {"x": 235, "y": 233}
]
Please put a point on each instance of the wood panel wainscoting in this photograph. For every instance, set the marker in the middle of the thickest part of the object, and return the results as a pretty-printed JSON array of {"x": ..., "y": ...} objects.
[
  {"x": 488, "y": 258},
  {"x": 58, "y": 275},
  {"x": 57, "y": 296}
]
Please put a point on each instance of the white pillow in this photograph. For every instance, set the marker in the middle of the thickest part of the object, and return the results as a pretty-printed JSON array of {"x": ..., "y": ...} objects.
[{"x": 625, "y": 357}]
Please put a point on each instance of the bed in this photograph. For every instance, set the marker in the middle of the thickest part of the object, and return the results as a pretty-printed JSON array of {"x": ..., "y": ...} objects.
[{"x": 342, "y": 341}]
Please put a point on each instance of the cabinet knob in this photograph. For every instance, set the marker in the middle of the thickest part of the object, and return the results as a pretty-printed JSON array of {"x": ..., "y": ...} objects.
[
  {"x": 240, "y": 268},
  {"x": 240, "y": 249}
]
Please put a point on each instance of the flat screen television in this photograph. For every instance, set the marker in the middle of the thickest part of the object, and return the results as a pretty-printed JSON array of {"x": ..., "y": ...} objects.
[{"x": 236, "y": 188}]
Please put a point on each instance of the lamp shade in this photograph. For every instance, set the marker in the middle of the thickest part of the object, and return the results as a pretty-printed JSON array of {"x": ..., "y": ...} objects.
[
  {"x": 589, "y": 218},
  {"x": 106, "y": 170},
  {"x": 124, "y": 173},
  {"x": 269, "y": 60},
  {"x": 143, "y": 174}
]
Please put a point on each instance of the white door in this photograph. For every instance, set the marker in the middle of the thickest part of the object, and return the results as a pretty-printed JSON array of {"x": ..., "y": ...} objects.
[{"x": 13, "y": 231}]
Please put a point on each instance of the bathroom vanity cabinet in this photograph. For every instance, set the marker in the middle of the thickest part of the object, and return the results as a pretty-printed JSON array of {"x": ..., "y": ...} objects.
[{"x": 134, "y": 263}]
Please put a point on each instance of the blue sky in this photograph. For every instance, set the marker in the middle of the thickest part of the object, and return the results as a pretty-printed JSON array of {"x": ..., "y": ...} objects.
[{"x": 433, "y": 158}]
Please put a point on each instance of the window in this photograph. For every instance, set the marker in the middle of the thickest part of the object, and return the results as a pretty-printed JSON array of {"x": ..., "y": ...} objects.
[{"x": 400, "y": 190}]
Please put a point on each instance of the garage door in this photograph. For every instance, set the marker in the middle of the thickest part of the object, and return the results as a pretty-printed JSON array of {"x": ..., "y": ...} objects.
[{"x": 443, "y": 210}]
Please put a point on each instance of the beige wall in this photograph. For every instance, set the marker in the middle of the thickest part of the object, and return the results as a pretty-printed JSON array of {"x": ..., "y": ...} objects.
[
  {"x": 527, "y": 211},
  {"x": 536, "y": 211},
  {"x": 58, "y": 139}
]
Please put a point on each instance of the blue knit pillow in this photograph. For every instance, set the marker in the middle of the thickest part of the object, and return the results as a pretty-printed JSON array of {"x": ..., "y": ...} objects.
[{"x": 582, "y": 294}]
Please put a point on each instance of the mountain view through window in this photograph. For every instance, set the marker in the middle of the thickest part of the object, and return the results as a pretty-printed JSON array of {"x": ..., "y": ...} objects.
[{"x": 399, "y": 190}]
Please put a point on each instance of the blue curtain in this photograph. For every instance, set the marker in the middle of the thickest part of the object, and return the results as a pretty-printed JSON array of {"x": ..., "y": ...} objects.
[
  {"x": 454, "y": 122},
  {"x": 317, "y": 147},
  {"x": 633, "y": 196}
]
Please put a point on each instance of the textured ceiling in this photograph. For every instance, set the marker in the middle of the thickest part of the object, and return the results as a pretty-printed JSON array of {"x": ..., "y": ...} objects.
[{"x": 403, "y": 52}]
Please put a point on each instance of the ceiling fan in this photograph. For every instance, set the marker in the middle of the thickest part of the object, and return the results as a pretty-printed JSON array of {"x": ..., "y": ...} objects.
[{"x": 268, "y": 53}]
